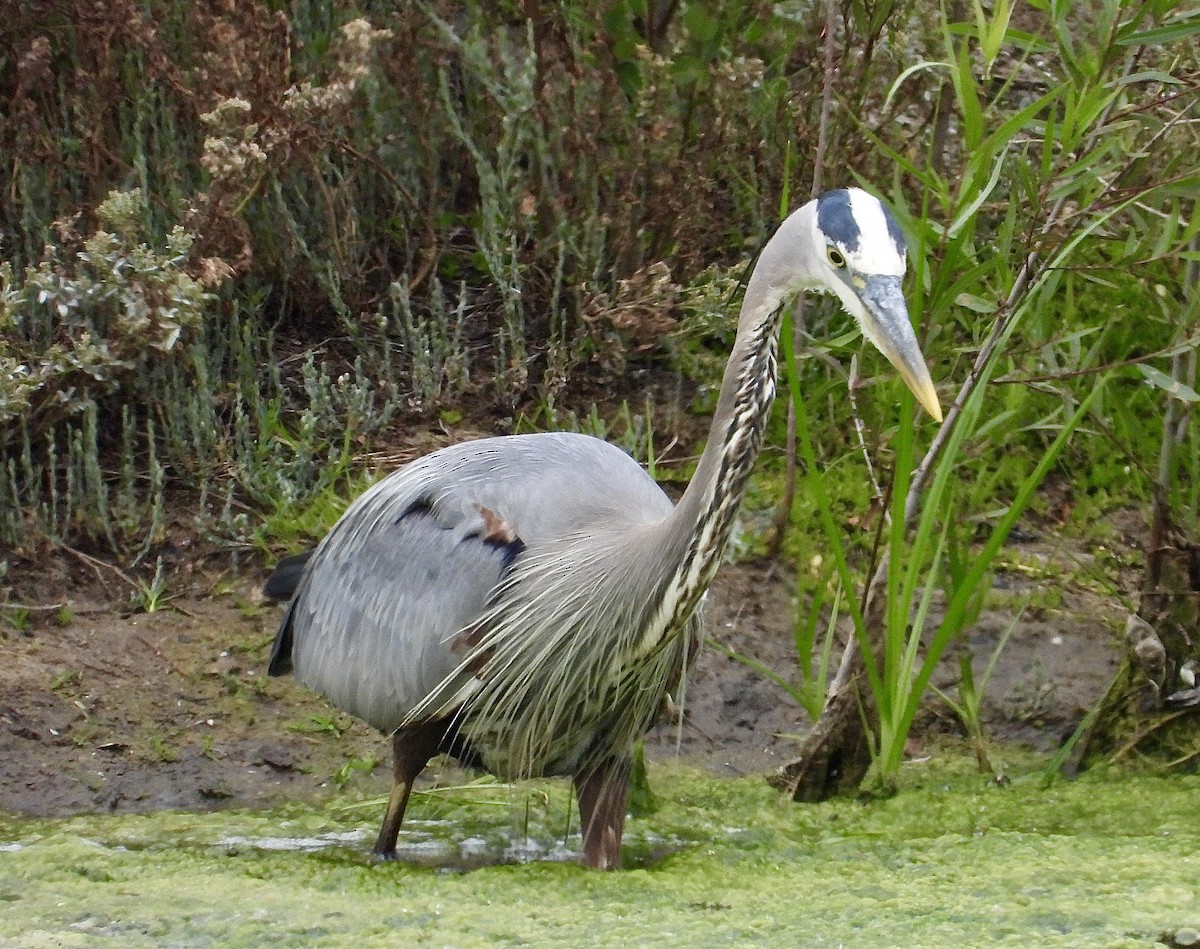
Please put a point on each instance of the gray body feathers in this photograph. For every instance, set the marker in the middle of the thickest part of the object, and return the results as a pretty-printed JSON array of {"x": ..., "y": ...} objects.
[{"x": 446, "y": 587}]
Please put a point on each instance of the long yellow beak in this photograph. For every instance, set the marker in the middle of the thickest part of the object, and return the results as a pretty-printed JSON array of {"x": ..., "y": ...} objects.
[{"x": 885, "y": 323}]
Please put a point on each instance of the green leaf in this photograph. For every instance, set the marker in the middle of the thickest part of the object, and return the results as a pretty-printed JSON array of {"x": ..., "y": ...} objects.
[
  {"x": 976, "y": 304},
  {"x": 912, "y": 70},
  {"x": 967, "y": 92},
  {"x": 1150, "y": 75},
  {"x": 1169, "y": 33},
  {"x": 992, "y": 33},
  {"x": 982, "y": 195},
  {"x": 1173, "y": 387},
  {"x": 700, "y": 24}
]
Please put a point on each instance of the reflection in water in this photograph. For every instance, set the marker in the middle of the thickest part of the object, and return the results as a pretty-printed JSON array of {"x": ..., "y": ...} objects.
[{"x": 423, "y": 847}]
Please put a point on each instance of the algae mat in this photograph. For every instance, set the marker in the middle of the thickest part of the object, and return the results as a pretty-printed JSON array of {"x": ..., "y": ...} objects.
[{"x": 1109, "y": 860}]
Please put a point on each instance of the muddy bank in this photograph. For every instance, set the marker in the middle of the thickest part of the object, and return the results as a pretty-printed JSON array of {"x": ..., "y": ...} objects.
[{"x": 103, "y": 710}]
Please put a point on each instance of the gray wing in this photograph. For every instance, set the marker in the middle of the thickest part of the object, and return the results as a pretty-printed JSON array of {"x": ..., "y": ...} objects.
[{"x": 384, "y": 611}]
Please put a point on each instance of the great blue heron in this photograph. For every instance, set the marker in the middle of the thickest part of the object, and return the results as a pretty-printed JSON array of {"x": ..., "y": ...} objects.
[{"x": 526, "y": 602}]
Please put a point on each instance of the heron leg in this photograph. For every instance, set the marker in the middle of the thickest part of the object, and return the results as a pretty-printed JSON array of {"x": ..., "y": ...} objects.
[
  {"x": 411, "y": 750},
  {"x": 602, "y": 792}
]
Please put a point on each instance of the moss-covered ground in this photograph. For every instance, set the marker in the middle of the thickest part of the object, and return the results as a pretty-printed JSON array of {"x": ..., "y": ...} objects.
[{"x": 1111, "y": 859}]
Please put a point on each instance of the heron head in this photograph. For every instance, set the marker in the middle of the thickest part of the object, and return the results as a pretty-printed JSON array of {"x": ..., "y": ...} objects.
[{"x": 859, "y": 254}]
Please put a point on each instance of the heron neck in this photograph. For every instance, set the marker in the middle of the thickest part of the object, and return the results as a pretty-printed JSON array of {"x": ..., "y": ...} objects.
[
  {"x": 735, "y": 438},
  {"x": 695, "y": 536},
  {"x": 702, "y": 521},
  {"x": 748, "y": 386}
]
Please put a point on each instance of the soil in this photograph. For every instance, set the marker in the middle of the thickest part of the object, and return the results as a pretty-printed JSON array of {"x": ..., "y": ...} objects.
[{"x": 102, "y": 709}]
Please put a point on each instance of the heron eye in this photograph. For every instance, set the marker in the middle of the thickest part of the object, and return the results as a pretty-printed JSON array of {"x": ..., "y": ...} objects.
[{"x": 836, "y": 257}]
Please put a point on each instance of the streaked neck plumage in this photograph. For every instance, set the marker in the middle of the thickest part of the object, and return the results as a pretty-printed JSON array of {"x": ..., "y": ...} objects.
[{"x": 699, "y": 528}]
